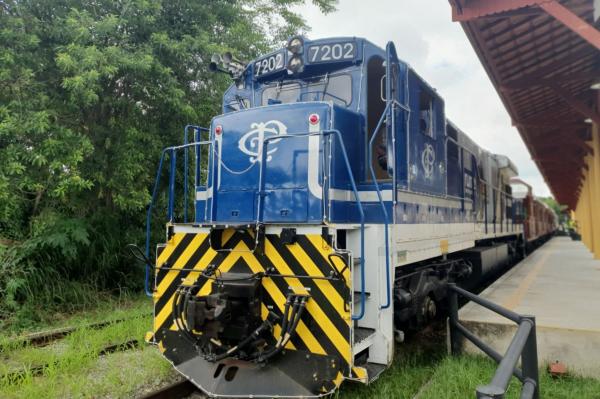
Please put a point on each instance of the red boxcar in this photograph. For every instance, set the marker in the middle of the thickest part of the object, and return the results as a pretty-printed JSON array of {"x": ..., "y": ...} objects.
[{"x": 538, "y": 219}]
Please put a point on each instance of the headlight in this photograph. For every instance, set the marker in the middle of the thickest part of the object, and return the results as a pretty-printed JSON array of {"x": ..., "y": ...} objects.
[
  {"x": 295, "y": 64},
  {"x": 296, "y": 45}
]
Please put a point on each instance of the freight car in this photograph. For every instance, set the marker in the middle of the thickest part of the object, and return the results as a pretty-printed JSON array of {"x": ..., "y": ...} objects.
[
  {"x": 539, "y": 220},
  {"x": 333, "y": 203}
]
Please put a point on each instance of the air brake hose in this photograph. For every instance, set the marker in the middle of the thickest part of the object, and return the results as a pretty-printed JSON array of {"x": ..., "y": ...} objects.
[
  {"x": 285, "y": 333},
  {"x": 178, "y": 311},
  {"x": 183, "y": 314},
  {"x": 288, "y": 333},
  {"x": 284, "y": 323},
  {"x": 296, "y": 320}
]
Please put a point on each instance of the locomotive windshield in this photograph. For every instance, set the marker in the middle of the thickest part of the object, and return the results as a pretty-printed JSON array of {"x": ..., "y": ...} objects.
[{"x": 336, "y": 88}]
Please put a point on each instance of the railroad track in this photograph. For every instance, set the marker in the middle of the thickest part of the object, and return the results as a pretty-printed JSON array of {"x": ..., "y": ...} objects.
[
  {"x": 176, "y": 390},
  {"x": 43, "y": 338},
  {"x": 37, "y": 370}
]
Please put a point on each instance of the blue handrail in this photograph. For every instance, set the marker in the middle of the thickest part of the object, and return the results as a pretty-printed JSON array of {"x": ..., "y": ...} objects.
[
  {"x": 171, "y": 207},
  {"x": 197, "y": 130},
  {"x": 385, "y": 214},
  {"x": 149, "y": 219},
  {"x": 261, "y": 194},
  {"x": 171, "y": 151}
]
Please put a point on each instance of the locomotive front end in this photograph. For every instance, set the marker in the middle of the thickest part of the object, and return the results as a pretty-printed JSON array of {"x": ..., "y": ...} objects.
[
  {"x": 238, "y": 322},
  {"x": 252, "y": 299}
]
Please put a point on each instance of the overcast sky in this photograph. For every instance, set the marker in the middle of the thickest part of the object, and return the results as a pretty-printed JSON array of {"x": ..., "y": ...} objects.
[{"x": 440, "y": 52}]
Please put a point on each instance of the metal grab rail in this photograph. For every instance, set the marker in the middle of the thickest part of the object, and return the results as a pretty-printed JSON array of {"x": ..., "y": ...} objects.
[
  {"x": 173, "y": 158},
  {"x": 380, "y": 197},
  {"x": 523, "y": 345},
  {"x": 390, "y": 103},
  {"x": 261, "y": 194},
  {"x": 197, "y": 130}
]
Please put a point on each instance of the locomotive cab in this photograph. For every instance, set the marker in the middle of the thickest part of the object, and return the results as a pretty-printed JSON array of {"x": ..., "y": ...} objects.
[{"x": 343, "y": 83}]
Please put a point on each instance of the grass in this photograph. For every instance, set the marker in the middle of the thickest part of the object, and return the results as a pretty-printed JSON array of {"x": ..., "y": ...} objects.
[
  {"x": 74, "y": 368},
  {"x": 421, "y": 370},
  {"x": 107, "y": 307},
  {"x": 413, "y": 366},
  {"x": 119, "y": 375},
  {"x": 458, "y": 377}
]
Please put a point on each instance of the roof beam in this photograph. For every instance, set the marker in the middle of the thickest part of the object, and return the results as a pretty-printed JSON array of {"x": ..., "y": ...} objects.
[
  {"x": 577, "y": 104},
  {"x": 518, "y": 84},
  {"x": 484, "y": 8},
  {"x": 579, "y": 9},
  {"x": 576, "y": 147},
  {"x": 572, "y": 21},
  {"x": 545, "y": 121},
  {"x": 507, "y": 8},
  {"x": 559, "y": 162},
  {"x": 552, "y": 66},
  {"x": 550, "y": 127}
]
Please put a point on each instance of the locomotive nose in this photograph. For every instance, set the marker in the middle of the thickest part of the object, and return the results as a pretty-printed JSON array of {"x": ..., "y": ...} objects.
[{"x": 265, "y": 159}]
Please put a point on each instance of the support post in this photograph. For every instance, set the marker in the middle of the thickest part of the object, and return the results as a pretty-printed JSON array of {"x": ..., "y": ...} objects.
[
  {"x": 529, "y": 359},
  {"x": 522, "y": 346},
  {"x": 453, "y": 319},
  {"x": 596, "y": 186}
]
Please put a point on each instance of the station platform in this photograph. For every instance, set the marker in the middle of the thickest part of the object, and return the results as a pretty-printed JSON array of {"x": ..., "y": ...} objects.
[{"x": 559, "y": 284}]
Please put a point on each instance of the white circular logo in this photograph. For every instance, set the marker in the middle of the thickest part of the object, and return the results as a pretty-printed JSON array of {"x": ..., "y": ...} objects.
[
  {"x": 427, "y": 160},
  {"x": 251, "y": 143}
]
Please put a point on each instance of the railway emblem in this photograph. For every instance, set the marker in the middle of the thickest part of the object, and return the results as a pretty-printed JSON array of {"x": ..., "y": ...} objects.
[
  {"x": 251, "y": 142},
  {"x": 427, "y": 160}
]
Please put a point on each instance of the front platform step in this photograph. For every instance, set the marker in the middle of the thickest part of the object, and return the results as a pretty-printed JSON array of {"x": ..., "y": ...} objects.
[
  {"x": 363, "y": 338},
  {"x": 374, "y": 370},
  {"x": 369, "y": 371}
]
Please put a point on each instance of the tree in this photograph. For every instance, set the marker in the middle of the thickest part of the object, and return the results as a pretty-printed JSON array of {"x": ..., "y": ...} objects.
[{"x": 91, "y": 91}]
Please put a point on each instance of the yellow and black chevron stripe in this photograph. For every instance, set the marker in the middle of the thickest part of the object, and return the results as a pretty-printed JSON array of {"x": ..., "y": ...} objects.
[{"x": 325, "y": 327}]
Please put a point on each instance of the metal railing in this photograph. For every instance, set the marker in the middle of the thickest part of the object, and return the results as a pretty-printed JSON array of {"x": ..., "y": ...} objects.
[
  {"x": 523, "y": 346},
  {"x": 261, "y": 194},
  {"x": 197, "y": 133},
  {"x": 171, "y": 152},
  {"x": 380, "y": 198}
]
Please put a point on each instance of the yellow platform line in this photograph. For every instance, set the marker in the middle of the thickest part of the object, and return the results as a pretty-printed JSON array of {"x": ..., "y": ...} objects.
[{"x": 519, "y": 293}]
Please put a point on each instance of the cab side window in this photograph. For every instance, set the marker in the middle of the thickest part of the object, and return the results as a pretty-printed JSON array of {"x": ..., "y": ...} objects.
[
  {"x": 376, "y": 106},
  {"x": 426, "y": 118}
]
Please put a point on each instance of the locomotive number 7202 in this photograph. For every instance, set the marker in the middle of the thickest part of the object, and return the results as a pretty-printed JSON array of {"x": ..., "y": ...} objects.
[
  {"x": 332, "y": 52},
  {"x": 268, "y": 64}
]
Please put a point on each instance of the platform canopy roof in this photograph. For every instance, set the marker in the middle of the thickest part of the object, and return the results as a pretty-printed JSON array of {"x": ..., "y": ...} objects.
[{"x": 543, "y": 57}]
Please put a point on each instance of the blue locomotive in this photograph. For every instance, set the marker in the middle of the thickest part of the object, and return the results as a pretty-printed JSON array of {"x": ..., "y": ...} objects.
[{"x": 333, "y": 203}]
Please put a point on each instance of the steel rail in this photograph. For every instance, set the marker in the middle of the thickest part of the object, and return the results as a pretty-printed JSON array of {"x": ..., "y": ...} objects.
[
  {"x": 176, "y": 390},
  {"x": 37, "y": 370},
  {"x": 43, "y": 338}
]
